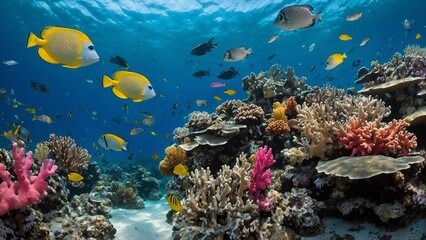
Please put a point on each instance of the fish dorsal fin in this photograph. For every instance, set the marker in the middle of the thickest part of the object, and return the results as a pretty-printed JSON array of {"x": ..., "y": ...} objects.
[
  {"x": 118, "y": 93},
  {"x": 308, "y": 7},
  {"x": 120, "y": 74},
  {"x": 43, "y": 55},
  {"x": 49, "y": 30}
]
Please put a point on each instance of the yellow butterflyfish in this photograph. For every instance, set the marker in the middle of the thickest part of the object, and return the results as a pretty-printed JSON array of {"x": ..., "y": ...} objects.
[
  {"x": 66, "y": 46},
  {"x": 334, "y": 60},
  {"x": 174, "y": 203},
  {"x": 418, "y": 36},
  {"x": 112, "y": 142}
]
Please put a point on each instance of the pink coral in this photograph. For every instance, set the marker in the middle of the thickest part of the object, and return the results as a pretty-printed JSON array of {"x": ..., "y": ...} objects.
[
  {"x": 368, "y": 139},
  {"x": 29, "y": 189},
  {"x": 261, "y": 178}
]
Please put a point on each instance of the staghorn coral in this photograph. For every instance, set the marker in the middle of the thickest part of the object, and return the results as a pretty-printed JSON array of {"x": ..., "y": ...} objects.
[
  {"x": 250, "y": 114},
  {"x": 219, "y": 208},
  {"x": 174, "y": 156},
  {"x": 366, "y": 166},
  {"x": 367, "y": 138},
  {"x": 70, "y": 157}
]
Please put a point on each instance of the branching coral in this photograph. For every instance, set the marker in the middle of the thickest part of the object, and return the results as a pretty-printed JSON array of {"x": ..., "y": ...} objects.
[
  {"x": 174, "y": 156},
  {"x": 70, "y": 157},
  {"x": 219, "y": 208},
  {"x": 261, "y": 178},
  {"x": 367, "y": 138},
  {"x": 324, "y": 115},
  {"x": 41, "y": 152}
]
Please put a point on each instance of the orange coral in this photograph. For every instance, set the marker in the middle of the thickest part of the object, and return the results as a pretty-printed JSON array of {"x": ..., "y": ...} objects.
[
  {"x": 174, "y": 156},
  {"x": 291, "y": 105},
  {"x": 277, "y": 127}
]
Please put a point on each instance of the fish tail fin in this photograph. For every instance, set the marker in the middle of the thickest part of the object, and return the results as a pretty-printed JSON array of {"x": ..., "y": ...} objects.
[
  {"x": 318, "y": 16},
  {"x": 33, "y": 40},
  {"x": 250, "y": 51},
  {"x": 125, "y": 145},
  {"x": 344, "y": 55},
  {"x": 107, "y": 81}
]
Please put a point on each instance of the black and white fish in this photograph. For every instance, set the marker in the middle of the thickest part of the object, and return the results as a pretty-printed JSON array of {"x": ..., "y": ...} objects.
[
  {"x": 296, "y": 17},
  {"x": 236, "y": 54},
  {"x": 203, "y": 48},
  {"x": 356, "y": 62}
]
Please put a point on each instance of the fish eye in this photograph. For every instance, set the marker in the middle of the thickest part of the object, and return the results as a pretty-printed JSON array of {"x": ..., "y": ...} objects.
[
  {"x": 281, "y": 17},
  {"x": 91, "y": 47},
  {"x": 150, "y": 87}
]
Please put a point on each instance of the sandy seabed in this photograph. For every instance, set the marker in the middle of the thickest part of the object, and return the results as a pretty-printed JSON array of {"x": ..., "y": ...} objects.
[{"x": 150, "y": 223}]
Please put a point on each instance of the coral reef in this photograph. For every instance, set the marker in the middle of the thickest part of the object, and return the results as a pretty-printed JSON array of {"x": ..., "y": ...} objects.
[
  {"x": 219, "y": 207},
  {"x": 370, "y": 139},
  {"x": 249, "y": 114},
  {"x": 174, "y": 156},
  {"x": 70, "y": 157},
  {"x": 261, "y": 178},
  {"x": 29, "y": 189}
]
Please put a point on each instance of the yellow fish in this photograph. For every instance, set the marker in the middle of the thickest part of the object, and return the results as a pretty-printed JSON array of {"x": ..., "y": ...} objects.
[
  {"x": 217, "y": 98},
  {"x": 154, "y": 156},
  {"x": 15, "y": 105},
  {"x": 131, "y": 85},
  {"x": 136, "y": 131},
  {"x": 75, "y": 177},
  {"x": 95, "y": 146},
  {"x": 66, "y": 46},
  {"x": 153, "y": 133},
  {"x": 112, "y": 142},
  {"x": 418, "y": 36},
  {"x": 30, "y": 110},
  {"x": 345, "y": 37},
  {"x": 174, "y": 203},
  {"x": 181, "y": 170},
  {"x": 334, "y": 60},
  {"x": 230, "y": 92}
]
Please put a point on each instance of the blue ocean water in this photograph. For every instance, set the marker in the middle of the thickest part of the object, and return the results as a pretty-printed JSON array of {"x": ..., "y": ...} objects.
[{"x": 156, "y": 38}]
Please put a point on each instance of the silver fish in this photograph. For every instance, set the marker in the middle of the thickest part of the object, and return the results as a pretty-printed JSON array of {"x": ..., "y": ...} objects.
[
  {"x": 236, "y": 54},
  {"x": 354, "y": 17},
  {"x": 296, "y": 17},
  {"x": 10, "y": 62}
]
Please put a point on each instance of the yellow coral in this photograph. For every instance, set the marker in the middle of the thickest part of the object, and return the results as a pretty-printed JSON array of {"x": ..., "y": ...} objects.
[
  {"x": 174, "y": 156},
  {"x": 278, "y": 111},
  {"x": 41, "y": 152}
]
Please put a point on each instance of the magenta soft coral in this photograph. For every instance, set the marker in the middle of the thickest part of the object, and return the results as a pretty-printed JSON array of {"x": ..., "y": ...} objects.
[
  {"x": 29, "y": 189},
  {"x": 261, "y": 178},
  {"x": 369, "y": 139}
]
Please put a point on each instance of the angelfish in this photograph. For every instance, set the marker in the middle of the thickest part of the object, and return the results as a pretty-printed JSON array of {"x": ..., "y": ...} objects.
[{"x": 296, "y": 17}]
